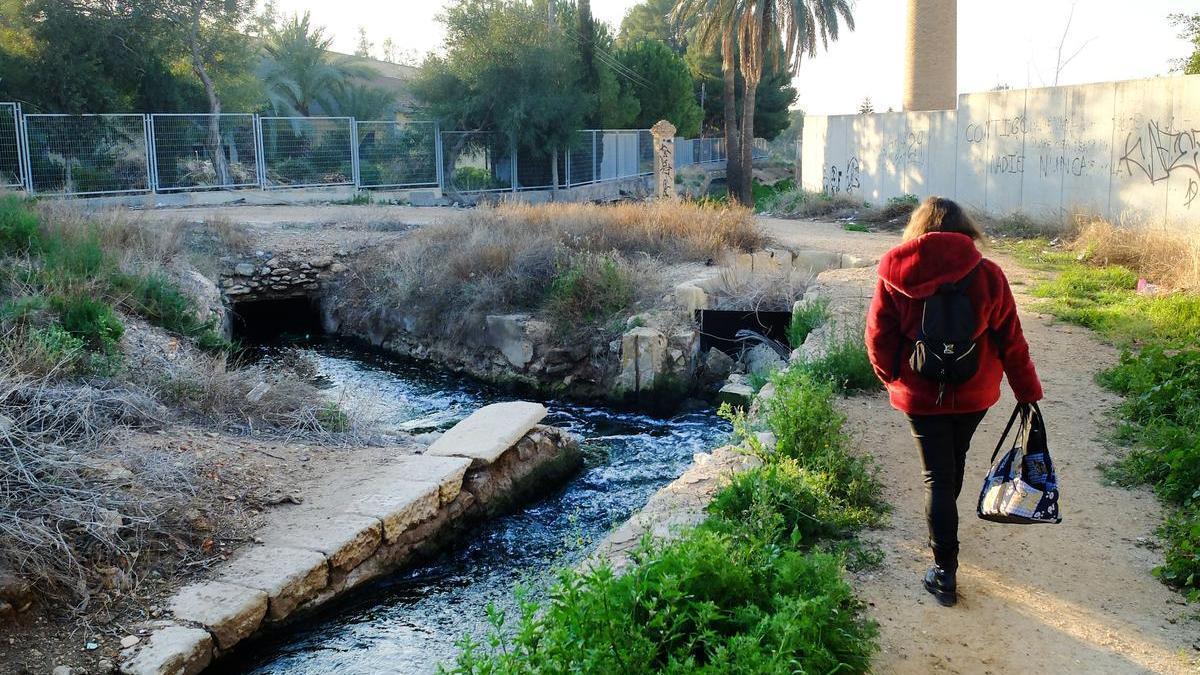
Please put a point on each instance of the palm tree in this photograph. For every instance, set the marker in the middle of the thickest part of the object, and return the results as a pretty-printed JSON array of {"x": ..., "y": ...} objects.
[
  {"x": 717, "y": 23},
  {"x": 751, "y": 27},
  {"x": 300, "y": 76}
]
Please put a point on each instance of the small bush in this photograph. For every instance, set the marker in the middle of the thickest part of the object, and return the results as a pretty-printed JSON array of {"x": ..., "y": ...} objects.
[
  {"x": 91, "y": 320},
  {"x": 845, "y": 364},
  {"x": 1181, "y": 564},
  {"x": 805, "y": 319},
  {"x": 18, "y": 227},
  {"x": 804, "y": 204},
  {"x": 592, "y": 289},
  {"x": 856, "y": 227}
]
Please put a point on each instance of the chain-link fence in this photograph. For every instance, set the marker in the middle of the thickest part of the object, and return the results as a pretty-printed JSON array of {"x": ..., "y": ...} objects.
[
  {"x": 477, "y": 161},
  {"x": 193, "y": 152},
  {"x": 12, "y": 169},
  {"x": 114, "y": 154},
  {"x": 307, "y": 151},
  {"x": 397, "y": 154},
  {"x": 87, "y": 154}
]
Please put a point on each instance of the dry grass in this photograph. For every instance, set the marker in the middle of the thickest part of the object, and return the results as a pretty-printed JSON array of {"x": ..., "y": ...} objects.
[
  {"x": 804, "y": 204},
  {"x": 674, "y": 231},
  {"x": 566, "y": 261},
  {"x": 1169, "y": 258}
]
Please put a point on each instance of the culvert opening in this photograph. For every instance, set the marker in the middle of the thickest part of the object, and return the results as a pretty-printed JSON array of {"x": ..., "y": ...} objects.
[
  {"x": 262, "y": 321},
  {"x": 719, "y": 328}
]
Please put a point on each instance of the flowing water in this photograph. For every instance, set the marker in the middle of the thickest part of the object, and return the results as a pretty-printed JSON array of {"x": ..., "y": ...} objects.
[{"x": 413, "y": 620}]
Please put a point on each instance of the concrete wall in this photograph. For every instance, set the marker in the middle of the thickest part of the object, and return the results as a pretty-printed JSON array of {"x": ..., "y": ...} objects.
[{"x": 1124, "y": 150}]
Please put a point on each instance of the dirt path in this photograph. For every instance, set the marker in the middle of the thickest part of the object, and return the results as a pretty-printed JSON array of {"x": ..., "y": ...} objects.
[{"x": 1072, "y": 598}]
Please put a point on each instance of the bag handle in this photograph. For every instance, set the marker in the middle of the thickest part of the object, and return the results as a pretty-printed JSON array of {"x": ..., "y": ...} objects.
[{"x": 1022, "y": 409}]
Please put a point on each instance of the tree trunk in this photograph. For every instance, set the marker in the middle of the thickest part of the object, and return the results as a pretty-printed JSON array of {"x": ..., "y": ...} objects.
[
  {"x": 733, "y": 155},
  {"x": 747, "y": 147},
  {"x": 215, "y": 147}
]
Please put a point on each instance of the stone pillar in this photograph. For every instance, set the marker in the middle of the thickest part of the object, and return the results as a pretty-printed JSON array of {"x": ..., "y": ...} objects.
[
  {"x": 664, "y": 159},
  {"x": 930, "y": 56}
]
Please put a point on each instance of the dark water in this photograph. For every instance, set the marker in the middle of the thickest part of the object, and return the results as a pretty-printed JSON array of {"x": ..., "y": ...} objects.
[{"x": 411, "y": 621}]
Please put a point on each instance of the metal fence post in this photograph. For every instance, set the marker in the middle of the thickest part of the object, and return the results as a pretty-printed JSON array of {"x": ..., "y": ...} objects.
[
  {"x": 355, "y": 173},
  {"x": 23, "y": 174},
  {"x": 261, "y": 164},
  {"x": 151, "y": 153},
  {"x": 512, "y": 154},
  {"x": 567, "y": 163},
  {"x": 439, "y": 158}
]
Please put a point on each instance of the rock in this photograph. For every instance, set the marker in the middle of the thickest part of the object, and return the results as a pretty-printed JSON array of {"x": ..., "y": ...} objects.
[
  {"x": 736, "y": 394},
  {"x": 15, "y": 591},
  {"x": 506, "y": 332},
  {"x": 231, "y": 613},
  {"x": 762, "y": 360},
  {"x": 129, "y": 641},
  {"x": 489, "y": 431},
  {"x": 244, "y": 270},
  {"x": 238, "y": 290},
  {"x": 209, "y": 305},
  {"x": 66, "y": 670},
  {"x": 321, "y": 262},
  {"x": 643, "y": 359},
  {"x": 289, "y": 576},
  {"x": 338, "y": 268},
  {"x": 255, "y": 395},
  {"x": 690, "y": 297},
  {"x": 717, "y": 365},
  {"x": 447, "y": 472},
  {"x": 104, "y": 666},
  {"x": 814, "y": 262},
  {"x": 171, "y": 650}
]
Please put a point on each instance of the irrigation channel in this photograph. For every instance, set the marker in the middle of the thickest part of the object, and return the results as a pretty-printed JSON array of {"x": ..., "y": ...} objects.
[{"x": 412, "y": 621}]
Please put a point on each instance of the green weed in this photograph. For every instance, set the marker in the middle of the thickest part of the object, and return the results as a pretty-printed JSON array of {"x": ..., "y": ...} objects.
[
  {"x": 90, "y": 320},
  {"x": 845, "y": 365},
  {"x": 855, "y": 227},
  {"x": 18, "y": 227},
  {"x": 593, "y": 288},
  {"x": 807, "y": 318}
]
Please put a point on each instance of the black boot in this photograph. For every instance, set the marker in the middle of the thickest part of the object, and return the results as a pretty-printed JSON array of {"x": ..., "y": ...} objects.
[{"x": 940, "y": 582}]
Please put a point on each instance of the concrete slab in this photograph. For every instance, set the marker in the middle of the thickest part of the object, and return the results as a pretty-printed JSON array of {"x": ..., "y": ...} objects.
[
  {"x": 447, "y": 472},
  {"x": 345, "y": 539},
  {"x": 288, "y": 576},
  {"x": 230, "y": 613},
  {"x": 171, "y": 650},
  {"x": 489, "y": 431},
  {"x": 404, "y": 505}
]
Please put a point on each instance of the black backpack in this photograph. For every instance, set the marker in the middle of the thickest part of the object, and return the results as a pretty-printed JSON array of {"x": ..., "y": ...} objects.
[{"x": 945, "y": 350}]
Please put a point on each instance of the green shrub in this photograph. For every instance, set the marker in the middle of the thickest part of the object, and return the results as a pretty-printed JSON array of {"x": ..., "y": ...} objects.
[
  {"x": 807, "y": 318},
  {"x": 783, "y": 499},
  {"x": 845, "y": 365},
  {"x": 73, "y": 259},
  {"x": 855, "y": 227},
  {"x": 701, "y": 604},
  {"x": 18, "y": 227},
  {"x": 91, "y": 320},
  {"x": 591, "y": 289},
  {"x": 1181, "y": 564}
]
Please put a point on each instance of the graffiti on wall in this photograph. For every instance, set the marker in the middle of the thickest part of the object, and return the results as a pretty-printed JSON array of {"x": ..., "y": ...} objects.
[
  {"x": 836, "y": 179},
  {"x": 1157, "y": 153}
]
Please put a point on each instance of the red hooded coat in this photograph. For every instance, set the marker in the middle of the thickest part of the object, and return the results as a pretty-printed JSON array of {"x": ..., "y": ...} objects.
[{"x": 915, "y": 270}]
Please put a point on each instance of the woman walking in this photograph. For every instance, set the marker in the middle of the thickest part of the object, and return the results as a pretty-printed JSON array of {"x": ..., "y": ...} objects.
[{"x": 941, "y": 330}]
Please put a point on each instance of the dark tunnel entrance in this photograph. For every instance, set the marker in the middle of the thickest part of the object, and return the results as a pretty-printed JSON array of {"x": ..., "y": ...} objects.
[{"x": 269, "y": 320}]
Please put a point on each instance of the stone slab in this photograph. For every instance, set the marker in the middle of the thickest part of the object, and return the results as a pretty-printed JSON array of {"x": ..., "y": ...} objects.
[
  {"x": 489, "y": 431},
  {"x": 171, "y": 650},
  {"x": 230, "y": 613},
  {"x": 447, "y": 472},
  {"x": 288, "y": 576},
  {"x": 403, "y": 505},
  {"x": 345, "y": 539}
]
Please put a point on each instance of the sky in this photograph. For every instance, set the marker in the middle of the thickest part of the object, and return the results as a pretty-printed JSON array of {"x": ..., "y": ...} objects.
[{"x": 1012, "y": 42}]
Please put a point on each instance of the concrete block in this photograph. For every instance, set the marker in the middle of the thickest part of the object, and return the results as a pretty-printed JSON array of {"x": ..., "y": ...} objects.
[
  {"x": 345, "y": 539},
  {"x": 401, "y": 507},
  {"x": 489, "y": 431},
  {"x": 446, "y": 472},
  {"x": 230, "y": 613},
  {"x": 171, "y": 650},
  {"x": 815, "y": 262},
  {"x": 691, "y": 297},
  {"x": 289, "y": 576},
  {"x": 736, "y": 394},
  {"x": 643, "y": 359}
]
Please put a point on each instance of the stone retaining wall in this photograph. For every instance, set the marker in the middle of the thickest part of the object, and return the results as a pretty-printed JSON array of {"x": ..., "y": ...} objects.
[{"x": 495, "y": 457}]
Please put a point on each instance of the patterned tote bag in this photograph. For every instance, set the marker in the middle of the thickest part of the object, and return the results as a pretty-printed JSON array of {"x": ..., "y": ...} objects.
[{"x": 1022, "y": 487}]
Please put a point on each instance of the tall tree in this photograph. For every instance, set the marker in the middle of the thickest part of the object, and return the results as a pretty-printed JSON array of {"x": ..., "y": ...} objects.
[
  {"x": 299, "y": 75},
  {"x": 668, "y": 92},
  {"x": 653, "y": 20},
  {"x": 717, "y": 23},
  {"x": 506, "y": 69},
  {"x": 752, "y": 27},
  {"x": 1189, "y": 29},
  {"x": 365, "y": 45}
]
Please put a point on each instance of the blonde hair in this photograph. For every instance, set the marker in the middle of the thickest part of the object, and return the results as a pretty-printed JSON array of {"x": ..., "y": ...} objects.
[{"x": 938, "y": 214}]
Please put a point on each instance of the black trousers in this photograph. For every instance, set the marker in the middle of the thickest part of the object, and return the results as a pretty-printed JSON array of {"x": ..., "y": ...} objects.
[{"x": 943, "y": 441}]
